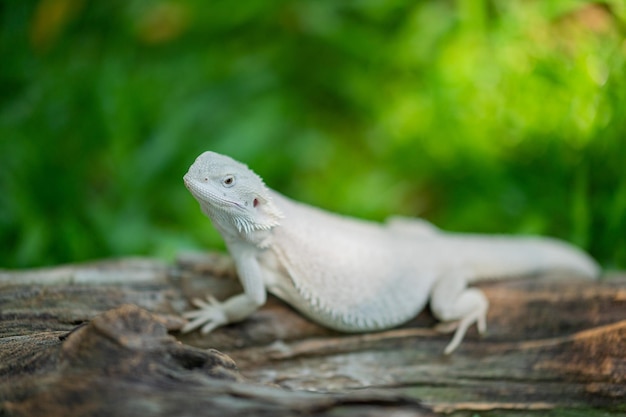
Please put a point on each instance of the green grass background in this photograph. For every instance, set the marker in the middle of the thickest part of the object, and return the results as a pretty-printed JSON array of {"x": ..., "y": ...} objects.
[{"x": 495, "y": 116}]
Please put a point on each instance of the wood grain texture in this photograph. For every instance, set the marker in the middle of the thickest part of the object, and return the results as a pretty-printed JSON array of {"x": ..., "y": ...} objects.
[{"x": 551, "y": 345}]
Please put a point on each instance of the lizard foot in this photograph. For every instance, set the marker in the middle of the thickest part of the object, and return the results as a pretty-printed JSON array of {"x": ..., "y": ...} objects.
[
  {"x": 458, "y": 306},
  {"x": 209, "y": 316},
  {"x": 450, "y": 326},
  {"x": 479, "y": 317},
  {"x": 446, "y": 326}
]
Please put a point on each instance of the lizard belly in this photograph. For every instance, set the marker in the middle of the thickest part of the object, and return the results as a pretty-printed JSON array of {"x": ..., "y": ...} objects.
[
  {"x": 360, "y": 300},
  {"x": 346, "y": 275}
]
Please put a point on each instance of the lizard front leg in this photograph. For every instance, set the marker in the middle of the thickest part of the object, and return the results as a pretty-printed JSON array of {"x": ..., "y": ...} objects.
[
  {"x": 213, "y": 314},
  {"x": 451, "y": 300}
]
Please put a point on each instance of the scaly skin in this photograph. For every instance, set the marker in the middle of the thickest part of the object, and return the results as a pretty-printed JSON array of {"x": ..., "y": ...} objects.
[{"x": 353, "y": 275}]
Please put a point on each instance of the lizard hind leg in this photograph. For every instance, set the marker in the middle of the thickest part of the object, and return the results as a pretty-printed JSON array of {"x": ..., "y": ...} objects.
[{"x": 458, "y": 306}]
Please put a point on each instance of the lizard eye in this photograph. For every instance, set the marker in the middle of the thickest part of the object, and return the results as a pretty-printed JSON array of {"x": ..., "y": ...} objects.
[{"x": 228, "y": 181}]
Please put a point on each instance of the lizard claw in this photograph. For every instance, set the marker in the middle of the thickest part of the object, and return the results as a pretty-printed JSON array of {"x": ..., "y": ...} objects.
[
  {"x": 208, "y": 317},
  {"x": 212, "y": 302}
]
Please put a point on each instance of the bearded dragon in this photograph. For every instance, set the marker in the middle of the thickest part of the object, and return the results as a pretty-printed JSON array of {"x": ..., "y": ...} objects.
[{"x": 354, "y": 275}]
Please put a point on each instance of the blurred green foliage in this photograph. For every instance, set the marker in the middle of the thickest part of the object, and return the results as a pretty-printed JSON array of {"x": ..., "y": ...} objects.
[{"x": 479, "y": 115}]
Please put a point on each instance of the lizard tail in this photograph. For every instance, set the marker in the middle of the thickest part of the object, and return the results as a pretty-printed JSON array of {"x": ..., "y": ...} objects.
[
  {"x": 561, "y": 257},
  {"x": 502, "y": 257}
]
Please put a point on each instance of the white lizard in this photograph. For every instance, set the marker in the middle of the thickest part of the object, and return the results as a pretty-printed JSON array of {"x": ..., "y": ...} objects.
[{"x": 354, "y": 275}]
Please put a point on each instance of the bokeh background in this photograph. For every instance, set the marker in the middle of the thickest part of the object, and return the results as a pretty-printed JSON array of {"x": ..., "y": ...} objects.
[{"x": 489, "y": 116}]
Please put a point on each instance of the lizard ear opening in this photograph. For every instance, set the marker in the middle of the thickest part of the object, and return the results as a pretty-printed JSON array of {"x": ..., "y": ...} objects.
[{"x": 268, "y": 214}]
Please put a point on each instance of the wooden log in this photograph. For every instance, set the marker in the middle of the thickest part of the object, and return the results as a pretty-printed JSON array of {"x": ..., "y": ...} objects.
[
  {"x": 551, "y": 345},
  {"x": 124, "y": 363}
]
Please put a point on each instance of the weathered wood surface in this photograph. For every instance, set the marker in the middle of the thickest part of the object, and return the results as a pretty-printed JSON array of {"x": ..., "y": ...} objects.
[{"x": 551, "y": 345}]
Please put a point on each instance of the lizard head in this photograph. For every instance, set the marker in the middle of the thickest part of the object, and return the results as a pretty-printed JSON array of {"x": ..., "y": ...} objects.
[{"x": 231, "y": 194}]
